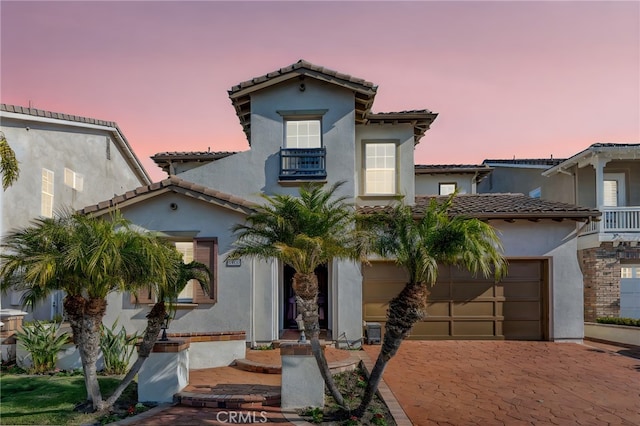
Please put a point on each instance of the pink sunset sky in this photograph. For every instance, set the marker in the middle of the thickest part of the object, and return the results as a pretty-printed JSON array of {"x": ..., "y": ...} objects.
[{"x": 523, "y": 79}]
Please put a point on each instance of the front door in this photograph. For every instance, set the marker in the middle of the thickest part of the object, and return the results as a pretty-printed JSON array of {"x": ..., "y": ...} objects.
[{"x": 289, "y": 303}]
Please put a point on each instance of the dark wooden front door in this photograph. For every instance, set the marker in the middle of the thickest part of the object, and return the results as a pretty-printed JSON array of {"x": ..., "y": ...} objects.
[{"x": 289, "y": 303}]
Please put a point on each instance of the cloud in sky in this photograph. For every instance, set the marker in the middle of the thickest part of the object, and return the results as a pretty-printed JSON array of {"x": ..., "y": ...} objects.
[{"x": 526, "y": 79}]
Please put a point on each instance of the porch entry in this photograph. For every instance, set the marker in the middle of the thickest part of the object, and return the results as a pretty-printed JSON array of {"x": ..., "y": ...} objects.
[{"x": 289, "y": 302}]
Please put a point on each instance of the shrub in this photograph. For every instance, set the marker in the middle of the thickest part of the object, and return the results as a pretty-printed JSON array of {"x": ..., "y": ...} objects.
[
  {"x": 117, "y": 348},
  {"x": 619, "y": 321},
  {"x": 43, "y": 343}
]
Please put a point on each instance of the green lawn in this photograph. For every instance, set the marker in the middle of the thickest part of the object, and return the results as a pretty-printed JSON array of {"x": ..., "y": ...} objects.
[{"x": 49, "y": 400}]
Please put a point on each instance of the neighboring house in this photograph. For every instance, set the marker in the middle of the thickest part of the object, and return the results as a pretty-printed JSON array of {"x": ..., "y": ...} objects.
[
  {"x": 445, "y": 179},
  {"x": 605, "y": 176},
  {"x": 516, "y": 176},
  {"x": 66, "y": 161},
  {"x": 305, "y": 123}
]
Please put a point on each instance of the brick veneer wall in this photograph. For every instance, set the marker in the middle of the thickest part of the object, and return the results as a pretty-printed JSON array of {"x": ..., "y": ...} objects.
[{"x": 601, "y": 272}]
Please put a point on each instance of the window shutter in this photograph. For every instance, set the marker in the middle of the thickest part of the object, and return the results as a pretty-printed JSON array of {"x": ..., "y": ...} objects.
[
  {"x": 206, "y": 252},
  {"x": 144, "y": 296}
]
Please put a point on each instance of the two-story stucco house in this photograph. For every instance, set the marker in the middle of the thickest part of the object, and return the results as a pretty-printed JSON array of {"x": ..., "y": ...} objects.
[
  {"x": 605, "y": 176},
  {"x": 66, "y": 161},
  {"x": 308, "y": 123}
]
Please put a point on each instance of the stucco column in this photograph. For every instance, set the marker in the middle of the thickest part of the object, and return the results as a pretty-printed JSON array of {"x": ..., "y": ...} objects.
[
  {"x": 599, "y": 166},
  {"x": 165, "y": 373},
  {"x": 302, "y": 383}
]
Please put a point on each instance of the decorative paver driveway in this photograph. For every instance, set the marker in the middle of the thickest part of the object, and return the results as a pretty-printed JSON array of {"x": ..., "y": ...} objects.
[{"x": 513, "y": 383}]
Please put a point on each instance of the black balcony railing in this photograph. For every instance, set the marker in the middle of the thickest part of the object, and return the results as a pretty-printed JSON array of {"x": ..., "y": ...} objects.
[{"x": 302, "y": 163}]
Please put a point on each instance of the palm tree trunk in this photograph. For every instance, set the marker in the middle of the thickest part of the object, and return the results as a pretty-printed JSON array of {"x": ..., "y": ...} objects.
[
  {"x": 404, "y": 311},
  {"x": 306, "y": 289},
  {"x": 85, "y": 317},
  {"x": 155, "y": 318}
]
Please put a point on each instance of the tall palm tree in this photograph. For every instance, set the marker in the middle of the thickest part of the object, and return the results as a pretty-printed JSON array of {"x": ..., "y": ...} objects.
[
  {"x": 87, "y": 258},
  {"x": 418, "y": 245},
  {"x": 8, "y": 163},
  {"x": 167, "y": 296},
  {"x": 304, "y": 233}
]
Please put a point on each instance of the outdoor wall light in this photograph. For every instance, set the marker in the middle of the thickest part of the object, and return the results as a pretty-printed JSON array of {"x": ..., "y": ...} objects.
[
  {"x": 164, "y": 327},
  {"x": 173, "y": 206}
]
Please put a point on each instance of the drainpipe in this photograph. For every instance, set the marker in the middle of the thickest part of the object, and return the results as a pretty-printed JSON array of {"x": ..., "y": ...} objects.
[{"x": 252, "y": 303}]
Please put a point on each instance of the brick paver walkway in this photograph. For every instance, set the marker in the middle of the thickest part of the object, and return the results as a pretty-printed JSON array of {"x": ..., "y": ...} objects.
[
  {"x": 513, "y": 383},
  {"x": 463, "y": 383}
]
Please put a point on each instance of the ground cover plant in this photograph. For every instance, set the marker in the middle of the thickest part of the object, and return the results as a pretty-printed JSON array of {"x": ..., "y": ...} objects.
[
  {"x": 352, "y": 385},
  {"x": 51, "y": 399},
  {"x": 619, "y": 321}
]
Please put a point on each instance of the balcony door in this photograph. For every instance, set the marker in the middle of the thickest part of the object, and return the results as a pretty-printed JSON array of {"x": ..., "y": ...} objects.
[{"x": 614, "y": 190}]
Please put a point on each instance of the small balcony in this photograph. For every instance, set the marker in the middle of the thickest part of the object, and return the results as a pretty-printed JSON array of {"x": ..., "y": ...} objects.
[
  {"x": 616, "y": 220},
  {"x": 302, "y": 164}
]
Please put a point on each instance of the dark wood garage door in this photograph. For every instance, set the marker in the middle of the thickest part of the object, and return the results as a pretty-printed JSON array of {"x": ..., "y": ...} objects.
[{"x": 462, "y": 306}]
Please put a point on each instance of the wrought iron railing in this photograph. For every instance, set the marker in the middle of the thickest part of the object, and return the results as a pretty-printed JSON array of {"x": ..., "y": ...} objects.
[{"x": 302, "y": 163}]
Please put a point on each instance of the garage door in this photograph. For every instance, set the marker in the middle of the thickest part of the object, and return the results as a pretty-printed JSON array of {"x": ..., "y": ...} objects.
[{"x": 462, "y": 306}]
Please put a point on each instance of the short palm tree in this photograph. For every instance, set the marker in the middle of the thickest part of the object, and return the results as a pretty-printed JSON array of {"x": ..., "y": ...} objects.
[
  {"x": 304, "y": 233},
  {"x": 8, "y": 163},
  {"x": 418, "y": 245},
  {"x": 87, "y": 258}
]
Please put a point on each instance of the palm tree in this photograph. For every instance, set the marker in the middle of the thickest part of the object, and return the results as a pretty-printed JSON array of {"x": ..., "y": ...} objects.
[
  {"x": 8, "y": 163},
  {"x": 167, "y": 296},
  {"x": 87, "y": 258},
  {"x": 418, "y": 245},
  {"x": 304, "y": 233}
]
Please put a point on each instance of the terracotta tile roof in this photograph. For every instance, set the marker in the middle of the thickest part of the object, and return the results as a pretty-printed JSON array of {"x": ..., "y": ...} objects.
[
  {"x": 420, "y": 120},
  {"x": 120, "y": 139},
  {"x": 55, "y": 115},
  {"x": 502, "y": 206},
  {"x": 240, "y": 94},
  {"x": 171, "y": 184},
  {"x": 164, "y": 159}
]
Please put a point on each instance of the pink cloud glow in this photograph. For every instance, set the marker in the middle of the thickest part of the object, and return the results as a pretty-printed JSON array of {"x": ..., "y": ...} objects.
[{"x": 524, "y": 79}]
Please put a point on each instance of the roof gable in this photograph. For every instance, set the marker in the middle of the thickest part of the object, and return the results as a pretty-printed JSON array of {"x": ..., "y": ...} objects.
[
  {"x": 172, "y": 184},
  {"x": 240, "y": 94},
  {"x": 610, "y": 151},
  {"x": 19, "y": 112}
]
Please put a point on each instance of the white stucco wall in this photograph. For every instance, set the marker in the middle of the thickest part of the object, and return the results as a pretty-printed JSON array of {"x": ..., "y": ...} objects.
[
  {"x": 556, "y": 240},
  {"x": 54, "y": 146},
  {"x": 250, "y": 173},
  {"x": 402, "y": 135},
  {"x": 232, "y": 311},
  {"x": 429, "y": 184}
]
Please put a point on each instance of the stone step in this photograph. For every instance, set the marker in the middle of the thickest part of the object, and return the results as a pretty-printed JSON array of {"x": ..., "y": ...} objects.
[{"x": 231, "y": 396}]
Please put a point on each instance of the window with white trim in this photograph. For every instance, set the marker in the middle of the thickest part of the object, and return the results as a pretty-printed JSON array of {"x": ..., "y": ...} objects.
[
  {"x": 303, "y": 134},
  {"x": 46, "y": 200},
  {"x": 73, "y": 179},
  {"x": 610, "y": 193},
  {"x": 379, "y": 168},
  {"x": 631, "y": 271},
  {"x": 446, "y": 188}
]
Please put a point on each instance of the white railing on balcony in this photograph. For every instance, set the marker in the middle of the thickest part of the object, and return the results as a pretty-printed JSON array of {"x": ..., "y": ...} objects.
[{"x": 616, "y": 220}]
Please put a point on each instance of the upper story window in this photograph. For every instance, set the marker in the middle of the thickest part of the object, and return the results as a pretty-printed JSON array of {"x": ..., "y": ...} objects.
[
  {"x": 380, "y": 168},
  {"x": 46, "y": 203},
  {"x": 302, "y": 156},
  {"x": 446, "y": 188},
  {"x": 303, "y": 134},
  {"x": 73, "y": 179}
]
